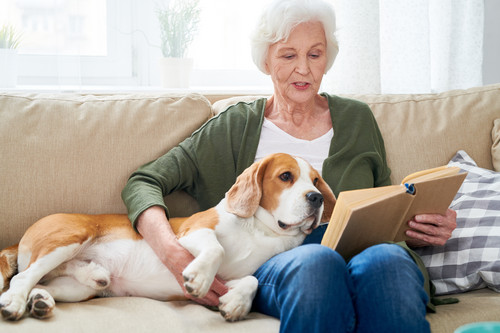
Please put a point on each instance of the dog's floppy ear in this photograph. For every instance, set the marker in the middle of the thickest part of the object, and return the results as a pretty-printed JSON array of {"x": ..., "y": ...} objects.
[
  {"x": 329, "y": 199},
  {"x": 243, "y": 198}
]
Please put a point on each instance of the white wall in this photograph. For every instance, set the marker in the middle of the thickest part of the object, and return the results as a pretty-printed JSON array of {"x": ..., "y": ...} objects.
[{"x": 491, "y": 46}]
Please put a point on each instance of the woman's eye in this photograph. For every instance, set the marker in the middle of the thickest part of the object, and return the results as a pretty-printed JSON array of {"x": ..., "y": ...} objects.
[
  {"x": 286, "y": 176},
  {"x": 288, "y": 56}
]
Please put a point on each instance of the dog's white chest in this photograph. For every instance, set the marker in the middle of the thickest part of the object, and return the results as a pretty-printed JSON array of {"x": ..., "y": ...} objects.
[{"x": 247, "y": 248}]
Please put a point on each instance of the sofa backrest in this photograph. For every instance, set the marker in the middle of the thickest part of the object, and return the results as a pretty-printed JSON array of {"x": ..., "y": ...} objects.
[
  {"x": 426, "y": 130},
  {"x": 74, "y": 154}
]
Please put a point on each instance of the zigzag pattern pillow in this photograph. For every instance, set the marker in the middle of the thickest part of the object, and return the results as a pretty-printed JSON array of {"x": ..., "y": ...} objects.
[{"x": 471, "y": 257}]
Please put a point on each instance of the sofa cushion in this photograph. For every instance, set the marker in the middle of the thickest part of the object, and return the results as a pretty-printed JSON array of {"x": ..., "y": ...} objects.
[
  {"x": 495, "y": 147},
  {"x": 474, "y": 306},
  {"x": 74, "y": 154},
  {"x": 471, "y": 257},
  {"x": 138, "y": 315}
]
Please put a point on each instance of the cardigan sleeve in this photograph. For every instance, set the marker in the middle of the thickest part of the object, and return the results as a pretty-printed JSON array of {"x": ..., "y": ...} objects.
[
  {"x": 147, "y": 186},
  {"x": 205, "y": 165}
]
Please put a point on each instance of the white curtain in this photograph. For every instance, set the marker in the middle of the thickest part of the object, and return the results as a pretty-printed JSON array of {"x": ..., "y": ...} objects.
[{"x": 404, "y": 46}]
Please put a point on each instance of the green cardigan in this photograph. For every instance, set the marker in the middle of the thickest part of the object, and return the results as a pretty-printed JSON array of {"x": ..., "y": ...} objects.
[{"x": 206, "y": 164}]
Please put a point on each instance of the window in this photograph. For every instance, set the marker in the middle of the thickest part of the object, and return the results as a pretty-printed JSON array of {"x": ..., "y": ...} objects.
[
  {"x": 68, "y": 42},
  {"x": 222, "y": 50},
  {"x": 108, "y": 44},
  {"x": 62, "y": 27},
  {"x": 72, "y": 43}
]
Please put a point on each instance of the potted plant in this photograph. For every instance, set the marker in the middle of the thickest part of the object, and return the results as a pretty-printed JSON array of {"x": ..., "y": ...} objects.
[
  {"x": 179, "y": 21},
  {"x": 9, "y": 42}
]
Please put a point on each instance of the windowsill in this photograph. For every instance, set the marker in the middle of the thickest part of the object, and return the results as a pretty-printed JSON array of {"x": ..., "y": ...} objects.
[{"x": 138, "y": 89}]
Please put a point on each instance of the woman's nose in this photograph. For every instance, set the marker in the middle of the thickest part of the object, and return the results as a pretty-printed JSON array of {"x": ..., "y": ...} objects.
[{"x": 302, "y": 66}]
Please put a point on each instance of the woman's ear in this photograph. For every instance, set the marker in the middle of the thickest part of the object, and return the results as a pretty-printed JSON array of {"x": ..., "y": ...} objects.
[
  {"x": 266, "y": 67},
  {"x": 329, "y": 199},
  {"x": 243, "y": 198}
]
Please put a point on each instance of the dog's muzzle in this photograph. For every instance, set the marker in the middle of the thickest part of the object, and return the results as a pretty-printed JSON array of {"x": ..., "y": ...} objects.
[{"x": 315, "y": 201}]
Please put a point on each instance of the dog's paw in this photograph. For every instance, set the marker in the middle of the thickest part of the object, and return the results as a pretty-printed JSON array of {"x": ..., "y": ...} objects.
[
  {"x": 237, "y": 302},
  {"x": 234, "y": 306},
  {"x": 197, "y": 283},
  {"x": 12, "y": 306},
  {"x": 40, "y": 304},
  {"x": 93, "y": 275}
]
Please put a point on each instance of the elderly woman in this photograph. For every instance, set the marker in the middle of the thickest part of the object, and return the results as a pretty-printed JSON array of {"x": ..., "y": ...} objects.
[{"x": 310, "y": 288}]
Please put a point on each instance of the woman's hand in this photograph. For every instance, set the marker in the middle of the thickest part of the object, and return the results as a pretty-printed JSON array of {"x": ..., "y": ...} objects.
[
  {"x": 431, "y": 229},
  {"x": 154, "y": 227}
]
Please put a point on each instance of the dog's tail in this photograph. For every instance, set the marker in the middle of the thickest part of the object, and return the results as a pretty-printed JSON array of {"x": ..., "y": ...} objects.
[{"x": 8, "y": 266}]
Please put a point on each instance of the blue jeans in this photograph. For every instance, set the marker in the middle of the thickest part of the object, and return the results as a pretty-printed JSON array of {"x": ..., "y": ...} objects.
[{"x": 312, "y": 289}]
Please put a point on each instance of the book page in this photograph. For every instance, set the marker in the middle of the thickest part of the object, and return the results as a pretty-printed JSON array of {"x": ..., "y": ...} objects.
[
  {"x": 424, "y": 175},
  {"x": 366, "y": 196}
]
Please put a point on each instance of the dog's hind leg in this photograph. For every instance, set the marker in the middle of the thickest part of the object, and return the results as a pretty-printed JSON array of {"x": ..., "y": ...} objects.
[
  {"x": 41, "y": 300},
  {"x": 87, "y": 273},
  {"x": 40, "y": 303},
  {"x": 67, "y": 289},
  {"x": 13, "y": 301}
]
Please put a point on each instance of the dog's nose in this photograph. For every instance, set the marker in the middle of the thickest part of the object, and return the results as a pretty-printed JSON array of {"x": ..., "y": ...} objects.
[{"x": 315, "y": 199}]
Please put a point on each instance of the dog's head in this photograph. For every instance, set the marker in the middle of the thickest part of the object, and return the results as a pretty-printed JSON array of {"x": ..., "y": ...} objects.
[{"x": 288, "y": 188}]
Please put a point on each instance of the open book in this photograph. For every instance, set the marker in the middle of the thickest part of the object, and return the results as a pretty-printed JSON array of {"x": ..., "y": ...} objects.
[{"x": 362, "y": 218}]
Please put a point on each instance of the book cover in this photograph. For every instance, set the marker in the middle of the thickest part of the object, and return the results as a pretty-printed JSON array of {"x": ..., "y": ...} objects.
[{"x": 362, "y": 218}]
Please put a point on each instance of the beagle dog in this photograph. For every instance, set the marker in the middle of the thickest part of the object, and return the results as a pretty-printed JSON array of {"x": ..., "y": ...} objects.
[{"x": 271, "y": 207}]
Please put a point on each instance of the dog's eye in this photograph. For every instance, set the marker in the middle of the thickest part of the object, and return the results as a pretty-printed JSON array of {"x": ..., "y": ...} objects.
[
  {"x": 286, "y": 176},
  {"x": 315, "y": 181}
]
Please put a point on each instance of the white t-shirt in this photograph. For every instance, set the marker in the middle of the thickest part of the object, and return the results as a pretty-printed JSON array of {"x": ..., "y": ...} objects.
[{"x": 274, "y": 140}]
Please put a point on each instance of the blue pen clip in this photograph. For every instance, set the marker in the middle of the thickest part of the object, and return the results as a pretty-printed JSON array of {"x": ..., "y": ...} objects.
[{"x": 410, "y": 188}]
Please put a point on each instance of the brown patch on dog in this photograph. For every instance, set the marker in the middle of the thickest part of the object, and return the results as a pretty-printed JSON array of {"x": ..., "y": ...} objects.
[
  {"x": 177, "y": 298},
  {"x": 203, "y": 220},
  {"x": 273, "y": 185},
  {"x": 8, "y": 265},
  {"x": 328, "y": 196},
  {"x": 59, "y": 230},
  {"x": 260, "y": 184},
  {"x": 176, "y": 223},
  {"x": 243, "y": 197}
]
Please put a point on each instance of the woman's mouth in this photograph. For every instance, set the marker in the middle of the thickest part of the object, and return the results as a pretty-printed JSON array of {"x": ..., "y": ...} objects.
[{"x": 301, "y": 85}]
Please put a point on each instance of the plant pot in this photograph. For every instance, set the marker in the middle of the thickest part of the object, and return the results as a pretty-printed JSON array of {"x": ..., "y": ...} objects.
[
  {"x": 8, "y": 68},
  {"x": 176, "y": 72}
]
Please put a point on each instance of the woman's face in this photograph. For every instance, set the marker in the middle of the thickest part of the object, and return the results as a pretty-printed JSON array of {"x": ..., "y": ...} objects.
[{"x": 297, "y": 66}]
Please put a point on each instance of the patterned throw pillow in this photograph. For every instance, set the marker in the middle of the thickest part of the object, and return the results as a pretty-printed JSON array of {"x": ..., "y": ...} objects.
[
  {"x": 495, "y": 147},
  {"x": 471, "y": 257}
]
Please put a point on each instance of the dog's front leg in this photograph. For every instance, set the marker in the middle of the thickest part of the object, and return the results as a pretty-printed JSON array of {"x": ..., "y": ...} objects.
[
  {"x": 208, "y": 252},
  {"x": 237, "y": 302}
]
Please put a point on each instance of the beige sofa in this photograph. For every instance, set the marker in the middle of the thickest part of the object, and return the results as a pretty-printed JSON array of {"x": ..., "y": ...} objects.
[{"x": 73, "y": 153}]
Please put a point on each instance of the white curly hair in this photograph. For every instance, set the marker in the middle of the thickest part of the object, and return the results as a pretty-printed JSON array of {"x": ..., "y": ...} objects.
[{"x": 281, "y": 16}]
